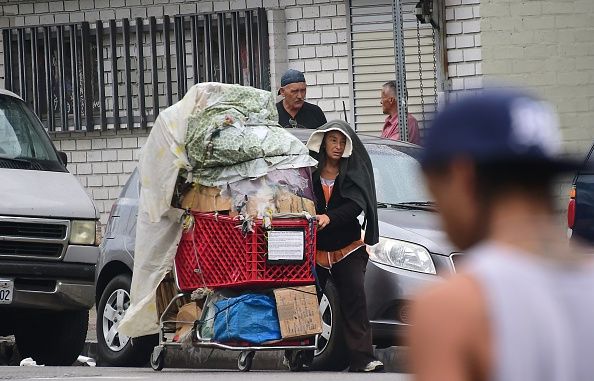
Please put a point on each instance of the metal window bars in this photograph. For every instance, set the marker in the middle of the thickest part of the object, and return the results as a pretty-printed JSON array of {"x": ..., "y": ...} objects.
[{"x": 120, "y": 73}]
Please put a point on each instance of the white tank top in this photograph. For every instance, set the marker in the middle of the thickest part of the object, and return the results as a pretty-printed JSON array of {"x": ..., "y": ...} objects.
[{"x": 541, "y": 314}]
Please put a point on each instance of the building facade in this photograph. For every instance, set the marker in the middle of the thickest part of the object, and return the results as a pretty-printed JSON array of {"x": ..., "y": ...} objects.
[
  {"x": 549, "y": 47},
  {"x": 346, "y": 48}
]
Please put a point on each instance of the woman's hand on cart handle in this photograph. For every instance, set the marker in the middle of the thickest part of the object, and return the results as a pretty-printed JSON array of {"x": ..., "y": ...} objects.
[{"x": 323, "y": 220}]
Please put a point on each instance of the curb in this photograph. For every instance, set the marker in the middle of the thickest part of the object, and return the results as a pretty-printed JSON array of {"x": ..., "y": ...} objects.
[
  {"x": 8, "y": 353},
  {"x": 394, "y": 358}
]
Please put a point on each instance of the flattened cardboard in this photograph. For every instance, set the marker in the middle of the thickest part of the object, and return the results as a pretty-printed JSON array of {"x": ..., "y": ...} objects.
[
  {"x": 205, "y": 200},
  {"x": 188, "y": 314},
  {"x": 298, "y": 312},
  {"x": 287, "y": 202}
]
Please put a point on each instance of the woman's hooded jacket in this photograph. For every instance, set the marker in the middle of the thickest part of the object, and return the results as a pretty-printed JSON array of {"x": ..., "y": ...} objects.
[{"x": 356, "y": 181}]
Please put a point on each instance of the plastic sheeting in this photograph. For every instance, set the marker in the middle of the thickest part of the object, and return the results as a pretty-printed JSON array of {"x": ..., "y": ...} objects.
[
  {"x": 238, "y": 137},
  {"x": 248, "y": 318},
  {"x": 281, "y": 191},
  {"x": 159, "y": 229}
]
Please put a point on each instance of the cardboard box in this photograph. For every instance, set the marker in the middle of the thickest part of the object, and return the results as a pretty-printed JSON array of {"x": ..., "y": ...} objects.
[
  {"x": 287, "y": 202},
  {"x": 188, "y": 314},
  {"x": 166, "y": 291},
  {"x": 205, "y": 200},
  {"x": 298, "y": 312}
]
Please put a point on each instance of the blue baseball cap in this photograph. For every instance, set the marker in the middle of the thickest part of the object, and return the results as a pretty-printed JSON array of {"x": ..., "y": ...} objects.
[
  {"x": 291, "y": 76},
  {"x": 497, "y": 126}
]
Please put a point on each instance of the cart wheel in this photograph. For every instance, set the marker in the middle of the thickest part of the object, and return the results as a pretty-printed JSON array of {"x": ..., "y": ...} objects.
[
  {"x": 158, "y": 358},
  {"x": 244, "y": 361}
]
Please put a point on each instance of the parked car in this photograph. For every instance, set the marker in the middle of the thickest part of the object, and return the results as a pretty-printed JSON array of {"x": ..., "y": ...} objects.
[
  {"x": 49, "y": 237},
  {"x": 412, "y": 252},
  {"x": 580, "y": 211}
]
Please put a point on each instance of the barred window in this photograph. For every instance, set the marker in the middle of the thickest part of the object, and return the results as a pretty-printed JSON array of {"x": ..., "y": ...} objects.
[{"x": 125, "y": 71}]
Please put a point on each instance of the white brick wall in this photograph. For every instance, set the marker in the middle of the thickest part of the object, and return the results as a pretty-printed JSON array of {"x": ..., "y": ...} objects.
[
  {"x": 317, "y": 45},
  {"x": 309, "y": 35},
  {"x": 463, "y": 45},
  {"x": 102, "y": 161}
]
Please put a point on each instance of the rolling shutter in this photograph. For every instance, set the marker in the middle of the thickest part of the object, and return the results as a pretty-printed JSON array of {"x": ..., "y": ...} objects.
[{"x": 373, "y": 61}]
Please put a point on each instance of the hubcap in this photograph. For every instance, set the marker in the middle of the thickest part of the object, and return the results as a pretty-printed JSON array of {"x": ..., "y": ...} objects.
[
  {"x": 114, "y": 311},
  {"x": 326, "y": 313}
]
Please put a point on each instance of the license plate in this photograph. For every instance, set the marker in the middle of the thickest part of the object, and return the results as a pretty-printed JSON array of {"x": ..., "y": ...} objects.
[{"x": 6, "y": 291}]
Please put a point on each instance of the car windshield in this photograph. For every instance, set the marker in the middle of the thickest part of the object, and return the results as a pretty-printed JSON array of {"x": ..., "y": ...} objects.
[
  {"x": 398, "y": 176},
  {"x": 22, "y": 138}
]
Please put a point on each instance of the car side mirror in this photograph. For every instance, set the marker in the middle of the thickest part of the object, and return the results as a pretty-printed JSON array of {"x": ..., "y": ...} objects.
[{"x": 63, "y": 157}]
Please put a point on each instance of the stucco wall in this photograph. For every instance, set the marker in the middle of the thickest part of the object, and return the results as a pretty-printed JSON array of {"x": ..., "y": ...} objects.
[{"x": 549, "y": 47}]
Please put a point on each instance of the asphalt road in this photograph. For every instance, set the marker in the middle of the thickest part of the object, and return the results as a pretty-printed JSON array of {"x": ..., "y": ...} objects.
[
  {"x": 88, "y": 373},
  {"x": 200, "y": 360}
]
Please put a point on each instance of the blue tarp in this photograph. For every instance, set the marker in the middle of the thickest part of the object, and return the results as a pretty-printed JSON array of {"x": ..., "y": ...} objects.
[{"x": 248, "y": 318}]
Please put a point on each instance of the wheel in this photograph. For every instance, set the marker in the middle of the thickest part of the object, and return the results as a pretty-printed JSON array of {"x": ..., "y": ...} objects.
[
  {"x": 158, "y": 358},
  {"x": 50, "y": 337},
  {"x": 114, "y": 348},
  {"x": 331, "y": 353},
  {"x": 244, "y": 360}
]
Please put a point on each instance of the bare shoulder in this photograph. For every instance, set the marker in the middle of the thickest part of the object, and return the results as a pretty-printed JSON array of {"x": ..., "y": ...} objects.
[
  {"x": 458, "y": 297},
  {"x": 449, "y": 330}
]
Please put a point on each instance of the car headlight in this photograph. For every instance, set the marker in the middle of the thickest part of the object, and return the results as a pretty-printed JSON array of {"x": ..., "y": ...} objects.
[
  {"x": 404, "y": 255},
  {"x": 83, "y": 232}
]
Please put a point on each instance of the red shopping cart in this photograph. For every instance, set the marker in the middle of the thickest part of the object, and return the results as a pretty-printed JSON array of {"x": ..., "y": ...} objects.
[{"x": 222, "y": 252}]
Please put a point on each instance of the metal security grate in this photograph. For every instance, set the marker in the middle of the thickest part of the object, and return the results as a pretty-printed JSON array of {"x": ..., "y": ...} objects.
[
  {"x": 120, "y": 73},
  {"x": 31, "y": 230},
  {"x": 374, "y": 41}
]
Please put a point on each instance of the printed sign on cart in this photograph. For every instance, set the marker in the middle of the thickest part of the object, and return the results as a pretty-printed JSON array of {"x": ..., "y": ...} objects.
[
  {"x": 6, "y": 291},
  {"x": 286, "y": 245}
]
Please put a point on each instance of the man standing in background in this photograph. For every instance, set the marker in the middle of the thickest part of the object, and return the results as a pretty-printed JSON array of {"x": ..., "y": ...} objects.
[
  {"x": 389, "y": 104},
  {"x": 293, "y": 110}
]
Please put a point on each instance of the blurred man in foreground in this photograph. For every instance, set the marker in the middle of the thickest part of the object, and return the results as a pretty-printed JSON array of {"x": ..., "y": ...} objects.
[
  {"x": 391, "y": 128},
  {"x": 521, "y": 306}
]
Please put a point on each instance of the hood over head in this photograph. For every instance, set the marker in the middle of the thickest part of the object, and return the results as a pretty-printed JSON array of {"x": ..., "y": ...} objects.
[
  {"x": 356, "y": 179},
  {"x": 314, "y": 143}
]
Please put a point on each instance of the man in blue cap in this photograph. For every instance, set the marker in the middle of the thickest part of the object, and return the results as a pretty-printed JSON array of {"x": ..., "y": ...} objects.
[
  {"x": 520, "y": 306},
  {"x": 293, "y": 110}
]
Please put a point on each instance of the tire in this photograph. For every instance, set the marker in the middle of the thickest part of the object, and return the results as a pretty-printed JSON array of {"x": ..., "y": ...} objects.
[
  {"x": 52, "y": 338},
  {"x": 113, "y": 348},
  {"x": 332, "y": 354}
]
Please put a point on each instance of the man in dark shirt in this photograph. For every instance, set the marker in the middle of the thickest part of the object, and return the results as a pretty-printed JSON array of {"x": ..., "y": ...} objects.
[{"x": 293, "y": 110}]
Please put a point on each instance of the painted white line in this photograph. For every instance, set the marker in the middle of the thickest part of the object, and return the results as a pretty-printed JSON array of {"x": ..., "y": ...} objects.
[{"x": 90, "y": 377}]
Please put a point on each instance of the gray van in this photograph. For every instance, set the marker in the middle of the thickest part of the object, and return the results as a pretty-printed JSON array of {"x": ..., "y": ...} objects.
[{"x": 49, "y": 236}]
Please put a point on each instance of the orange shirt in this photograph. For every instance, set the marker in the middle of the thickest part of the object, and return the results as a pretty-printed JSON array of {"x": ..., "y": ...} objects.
[{"x": 327, "y": 187}]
